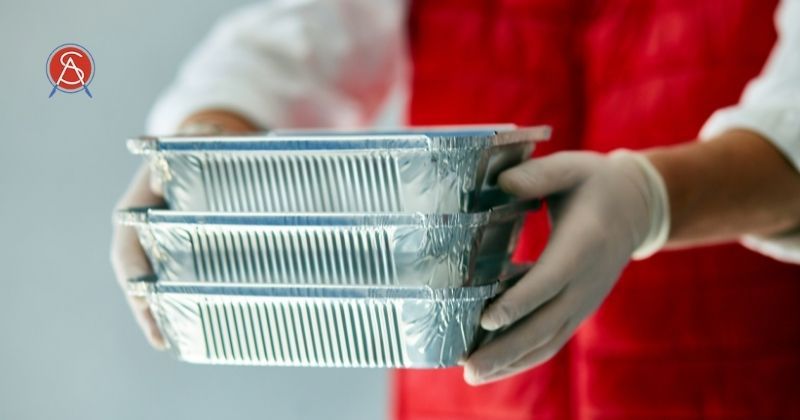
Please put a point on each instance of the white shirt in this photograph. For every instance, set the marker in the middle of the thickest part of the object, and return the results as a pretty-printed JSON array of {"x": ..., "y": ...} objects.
[{"x": 338, "y": 63}]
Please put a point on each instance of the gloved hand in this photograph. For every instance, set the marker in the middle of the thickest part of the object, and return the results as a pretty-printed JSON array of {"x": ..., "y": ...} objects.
[
  {"x": 604, "y": 209},
  {"x": 127, "y": 256}
]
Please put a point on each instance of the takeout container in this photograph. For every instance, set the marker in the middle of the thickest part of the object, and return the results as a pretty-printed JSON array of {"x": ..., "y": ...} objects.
[
  {"x": 330, "y": 326},
  {"x": 305, "y": 248},
  {"x": 387, "y": 249},
  {"x": 425, "y": 170}
]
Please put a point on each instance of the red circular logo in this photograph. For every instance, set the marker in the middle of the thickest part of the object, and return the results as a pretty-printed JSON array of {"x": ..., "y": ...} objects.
[{"x": 70, "y": 69}]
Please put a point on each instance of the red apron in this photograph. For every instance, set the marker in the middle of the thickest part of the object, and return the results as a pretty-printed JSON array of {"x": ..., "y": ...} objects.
[{"x": 711, "y": 332}]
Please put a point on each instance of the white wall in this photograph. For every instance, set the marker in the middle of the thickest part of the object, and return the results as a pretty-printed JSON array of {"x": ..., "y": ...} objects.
[{"x": 68, "y": 347}]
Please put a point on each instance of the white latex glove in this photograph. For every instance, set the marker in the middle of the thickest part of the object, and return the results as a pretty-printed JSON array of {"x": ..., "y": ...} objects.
[
  {"x": 127, "y": 256},
  {"x": 604, "y": 209}
]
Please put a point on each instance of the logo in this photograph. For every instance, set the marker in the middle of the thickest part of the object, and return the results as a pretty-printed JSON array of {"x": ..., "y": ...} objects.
[{"x": 70, "y": 69}]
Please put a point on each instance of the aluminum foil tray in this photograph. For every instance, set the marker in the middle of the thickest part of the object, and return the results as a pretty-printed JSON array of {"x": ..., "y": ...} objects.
[
  {"x": 350, "y": 326},
  {"x": 431, "y": 171},
  {"x": 393, "y": 249}
]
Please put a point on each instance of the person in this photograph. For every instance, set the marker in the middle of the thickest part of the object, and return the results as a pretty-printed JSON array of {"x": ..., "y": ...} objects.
[{"x": 707, "y": 328}]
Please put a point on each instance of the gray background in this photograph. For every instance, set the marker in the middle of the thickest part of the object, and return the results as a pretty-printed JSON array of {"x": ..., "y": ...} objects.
[{"x": 69, "y": 348}]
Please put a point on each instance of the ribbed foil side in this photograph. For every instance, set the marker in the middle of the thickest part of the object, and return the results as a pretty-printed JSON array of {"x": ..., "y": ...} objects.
[
  {"x": 284, "y": 183},
  {"x": 332, "y": 332},
  {"x": 448, "y": 180},
  {"x": 439, "y": 251},
  {"x": 302, "y": 256},
  {"x": 296, "y": 333},
  {"x": 346, "y": 255}
]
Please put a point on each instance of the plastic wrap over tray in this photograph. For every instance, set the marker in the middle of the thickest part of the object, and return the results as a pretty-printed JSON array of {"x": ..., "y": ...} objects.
[
  {"x": 345, "y": 326},
  {"x": 444, "y": 171},
  {"x": 391, "y": 249}
]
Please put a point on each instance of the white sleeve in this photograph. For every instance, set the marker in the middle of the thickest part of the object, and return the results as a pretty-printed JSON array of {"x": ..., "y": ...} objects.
[
  {"x": 293, "y": 63},
  {"x": 770, "y": 106}
]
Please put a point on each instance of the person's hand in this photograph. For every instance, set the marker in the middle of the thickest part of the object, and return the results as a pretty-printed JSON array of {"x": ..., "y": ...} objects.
[
  {"x": 127, "y": 256},
  {"x": 603, "y": 208}
]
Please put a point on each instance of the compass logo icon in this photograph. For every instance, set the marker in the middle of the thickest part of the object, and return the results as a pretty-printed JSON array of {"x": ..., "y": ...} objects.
[{"x": 70, "y": 69}]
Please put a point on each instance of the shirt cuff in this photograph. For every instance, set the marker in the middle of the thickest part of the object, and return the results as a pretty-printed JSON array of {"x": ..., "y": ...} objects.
[
  {"x": 784, "y": 247},
  {"x": 780, "y": 126}
]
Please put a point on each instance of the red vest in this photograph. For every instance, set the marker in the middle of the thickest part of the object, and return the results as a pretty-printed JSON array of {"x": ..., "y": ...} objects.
[{"x": 710, "y": 332}]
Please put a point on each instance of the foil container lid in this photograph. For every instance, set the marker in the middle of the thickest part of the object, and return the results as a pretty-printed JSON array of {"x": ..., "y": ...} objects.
[
  {"x": 298, "y": 141},
  {"x": 143, "y": 216},
  {"x": 150, "y": 285}
]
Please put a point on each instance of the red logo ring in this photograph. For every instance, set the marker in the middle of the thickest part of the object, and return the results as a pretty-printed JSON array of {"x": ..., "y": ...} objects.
[{"x": 70, "y": 69}]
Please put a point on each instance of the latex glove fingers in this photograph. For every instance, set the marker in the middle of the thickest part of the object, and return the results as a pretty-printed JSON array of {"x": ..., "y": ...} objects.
[
  {"x": 546, "y": 306},
  {"x": 128, "y": 258},
  {"x": 601, "y": 213},
  {"x": 513, "y": 346},
  {"x": 541, "y": 177},
  {"x": 534, "y": 356},
  {"x": 574, "y": 242}
]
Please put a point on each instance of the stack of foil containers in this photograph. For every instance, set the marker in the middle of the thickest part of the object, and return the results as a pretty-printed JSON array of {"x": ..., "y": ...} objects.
[{"x": 306, "y": 248}]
